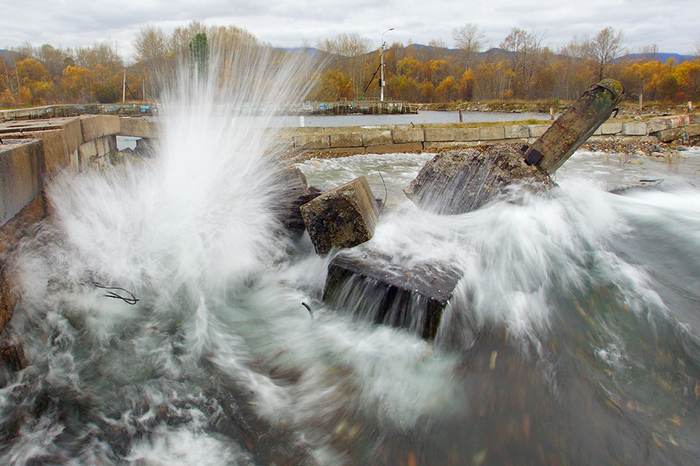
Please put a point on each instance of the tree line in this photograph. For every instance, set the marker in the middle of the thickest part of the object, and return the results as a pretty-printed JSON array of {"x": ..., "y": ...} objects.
[{"x": 521, "y": 67}]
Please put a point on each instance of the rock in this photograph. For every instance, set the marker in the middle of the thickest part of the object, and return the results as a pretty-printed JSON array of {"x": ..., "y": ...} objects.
[
  {"x": 378, "y": 290},
  {"x": 296, "y": 193},
  {"x": 342, "y": 217},
  {"x": 459, "y": 181}
]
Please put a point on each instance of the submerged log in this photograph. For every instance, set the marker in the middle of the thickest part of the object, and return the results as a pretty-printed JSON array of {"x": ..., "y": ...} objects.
[
  {"x": 342, "y": 217},
  {"x": 382, "y": 292}
]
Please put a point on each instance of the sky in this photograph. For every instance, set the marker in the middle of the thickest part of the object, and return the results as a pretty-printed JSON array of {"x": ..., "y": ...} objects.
[{"x": 672, "y": 24}]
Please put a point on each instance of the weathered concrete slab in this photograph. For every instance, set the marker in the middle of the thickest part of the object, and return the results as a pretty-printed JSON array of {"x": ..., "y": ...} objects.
[
  {"x": 610, "y": 128},
  {"x": 463, "y": 180},
  {"x": 22, "y": 175},
  {"x": 295, "y": 193},
  {"x": 490, "y": 133},
  {"x": 439, "y": 134},
  {"x": 466, "y": 134},
  {"x": 312, "y": 141},
  {"x": 637, "y": 128},
  {"x": 672, "y": 134},
  {"x": 375, "y": 289},
  {"x": 342, "y": 217},
  {"x": 376, "y": 138},
  {"x": 97, "y": 126},
  {"x": 516, "y": 132},
  {"x": 346, "y": 139},
  {"x": 138, "y": 128},
  {"x": 407, "y": 135}
]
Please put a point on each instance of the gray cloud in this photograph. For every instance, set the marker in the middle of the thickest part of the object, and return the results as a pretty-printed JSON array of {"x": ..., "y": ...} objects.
[{"x": 286, "y": 23}]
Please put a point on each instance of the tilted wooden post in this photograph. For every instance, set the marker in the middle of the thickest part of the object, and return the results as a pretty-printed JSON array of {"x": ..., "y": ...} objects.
[{"x": 576, "y": 125}]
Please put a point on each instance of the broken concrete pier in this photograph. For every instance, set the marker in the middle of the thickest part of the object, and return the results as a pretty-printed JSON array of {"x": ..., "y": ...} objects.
[
  {"x": 342, "y": 217},
  {"x": 456, "y": 182},
  {"x": 377, "y": 290},
  {"x": 575, "y": 126},
  {"x": 462, "y": 180}
]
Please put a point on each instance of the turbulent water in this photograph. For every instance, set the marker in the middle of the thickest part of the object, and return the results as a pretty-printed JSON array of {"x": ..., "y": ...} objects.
[{"x": 571, "y": 338}]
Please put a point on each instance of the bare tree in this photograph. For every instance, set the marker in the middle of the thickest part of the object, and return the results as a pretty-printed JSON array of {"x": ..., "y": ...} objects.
[
  {"x": 525, "y": 50},
  {"x": 650, "y": 52},
  {"x": 348, "y": 52},
  {"x": 151, "y": 46},
  {"x": 470, "y": 40},
  {"x": 605, "y": 48},
  {"x": 696, "y": 48}
]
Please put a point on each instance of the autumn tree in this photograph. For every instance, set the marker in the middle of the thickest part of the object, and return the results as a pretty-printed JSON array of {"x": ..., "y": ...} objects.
[
  {"x": 604, "y": 49},
  {"x": 470, "y": 41},
  {"x": 348, "y": 52}
]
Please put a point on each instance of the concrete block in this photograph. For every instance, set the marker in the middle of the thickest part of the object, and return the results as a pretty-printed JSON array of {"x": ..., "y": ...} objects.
[
  {"x": 452, "y": 145},
  {"x": 460, "y": 181},
  {"x": 636, "y": 128},
  {"x": 537, "y": 131},
  {"x": 407, "y": 135},
  {"x": 439, "y": 134},
  {"x": 396, "y": 148},
  {"x": 344, "y": 139},
  {"x": 488, "y": 133},
  {"x": 672, "y": 134},
  {"x": 382, "y": 292},
  {"x": 466, "y": 134},
  {"x": 138, "y": 128},
  {"x": 312, "y": 141},
  {"x": 22, "y": 173},
  {"x": 376, "y": 138},
  {"x": 516, "y": 131},
  {"x": 342, "y": 217},
  {"x": 97, "y": 126},
  {"x": 609, "y": 128},
  {"x": 657, "y": 124}
]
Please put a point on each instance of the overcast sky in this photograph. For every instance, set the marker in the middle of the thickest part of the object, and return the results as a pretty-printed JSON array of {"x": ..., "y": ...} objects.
[{"x": 671, "y": 24}]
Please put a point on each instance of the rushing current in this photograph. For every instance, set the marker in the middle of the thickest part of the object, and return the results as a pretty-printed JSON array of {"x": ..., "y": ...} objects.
[{"x": 162, "y": 318}]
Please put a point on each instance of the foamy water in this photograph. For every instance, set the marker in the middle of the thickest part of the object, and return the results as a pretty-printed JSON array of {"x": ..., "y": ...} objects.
[{"x": 219, "y": 362}]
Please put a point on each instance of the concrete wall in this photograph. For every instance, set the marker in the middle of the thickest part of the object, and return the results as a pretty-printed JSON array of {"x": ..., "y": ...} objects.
[{"x": 411, "y": 138}]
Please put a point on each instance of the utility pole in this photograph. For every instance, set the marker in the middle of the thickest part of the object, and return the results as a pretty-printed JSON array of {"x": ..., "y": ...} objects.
[
  {"x": 381, "y": 61},
  {"x": 124, "y": 88}
]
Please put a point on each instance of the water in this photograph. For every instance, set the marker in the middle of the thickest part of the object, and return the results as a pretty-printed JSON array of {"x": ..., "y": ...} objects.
[
  {"x": 572, "y": 337},
  {"x": 426, "y": 116}
]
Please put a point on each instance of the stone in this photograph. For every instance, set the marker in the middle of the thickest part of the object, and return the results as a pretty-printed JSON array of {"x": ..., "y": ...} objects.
[
  {"x": 378, "y": 290},
  {"x": 636, "y": 128},
  {"x": 342, "y": 217},
  {"x": 407, "y": 135},
  {"x": 295, "y": 193},
  {"x": 459, "y": 181},
  {"x": 491, "y": 133},
  {"x": 516, "y": 131},
  {"x": 97, "y": 126},
  {"x": 312, "y": 141},
  {"x": 682, "y": 132},
  {"x": 376, "y": 138},
  {"x": 439, "y": 134},
  {"x": 349, "y": 139},
  {"x": 138, "y": 128}
]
